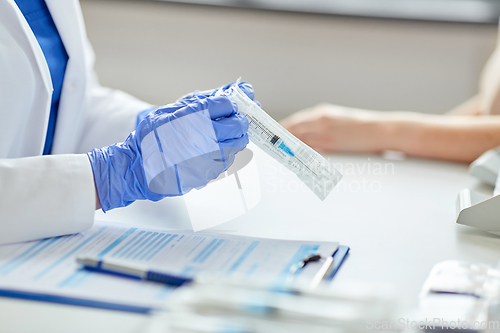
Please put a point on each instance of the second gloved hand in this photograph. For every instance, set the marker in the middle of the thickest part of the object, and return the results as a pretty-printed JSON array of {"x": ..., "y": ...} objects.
[{"x": 173, "y": 150}]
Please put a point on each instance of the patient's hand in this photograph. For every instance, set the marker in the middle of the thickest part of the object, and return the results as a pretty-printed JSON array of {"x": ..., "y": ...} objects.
[
  {"x": 332, "y": 128},
  {"x": 460, "y": 138}
]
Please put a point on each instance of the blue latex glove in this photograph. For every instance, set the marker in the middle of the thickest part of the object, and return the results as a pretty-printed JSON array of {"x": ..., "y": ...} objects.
[
  {"x": 189, "y": 98},
  {"x": 174, "y": 149}
]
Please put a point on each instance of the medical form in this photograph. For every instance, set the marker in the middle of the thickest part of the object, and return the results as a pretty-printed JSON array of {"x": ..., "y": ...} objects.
[{"x": 48, "y": 266}]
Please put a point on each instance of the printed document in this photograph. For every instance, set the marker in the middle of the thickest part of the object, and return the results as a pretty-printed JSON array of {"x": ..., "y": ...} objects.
[{"x": 49, "y": 266}]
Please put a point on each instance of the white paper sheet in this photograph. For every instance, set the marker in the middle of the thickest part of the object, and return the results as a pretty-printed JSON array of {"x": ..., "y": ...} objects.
[{"x": 48, "y": 266}]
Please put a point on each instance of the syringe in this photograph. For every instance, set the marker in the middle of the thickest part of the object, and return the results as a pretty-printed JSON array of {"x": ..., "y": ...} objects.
[
  {"x": 274, "y": 139},
  {"x": 311, "y": 168}
]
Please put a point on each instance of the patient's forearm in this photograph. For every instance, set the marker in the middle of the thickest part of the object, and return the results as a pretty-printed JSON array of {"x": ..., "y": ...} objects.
[{"x": 457, "y": 138}]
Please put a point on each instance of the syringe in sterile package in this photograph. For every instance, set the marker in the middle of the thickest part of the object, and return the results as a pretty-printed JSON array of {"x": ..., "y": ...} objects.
[{"x": 311, "y": 168}]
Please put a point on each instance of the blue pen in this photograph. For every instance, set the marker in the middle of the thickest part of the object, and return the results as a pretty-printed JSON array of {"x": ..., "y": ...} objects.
[{"x": 131, "y": 271}]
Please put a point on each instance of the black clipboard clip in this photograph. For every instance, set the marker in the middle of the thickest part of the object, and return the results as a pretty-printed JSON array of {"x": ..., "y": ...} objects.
[
  {"x": 327, "y": 271},
  {"x": 324, "y": 270}
]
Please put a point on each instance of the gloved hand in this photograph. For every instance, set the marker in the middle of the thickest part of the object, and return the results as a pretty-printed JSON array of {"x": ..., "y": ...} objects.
[
  {"x": 189, "y": 98},
  {"x": 174, "y": 149}
]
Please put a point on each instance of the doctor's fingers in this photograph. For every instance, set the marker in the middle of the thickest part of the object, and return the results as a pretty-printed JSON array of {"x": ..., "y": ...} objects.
[
  {"x": 233, "y": 127},
  {"x": 218, "y": 106},
  {"x": 247, "y": 89},
  {"x": 169, "y": 108},
  {"x": 244, "y": 86},
  {"x": 215, "y": 107},
  {"x": 203, "y": 93},
  {"x": 198, "y": 100}
]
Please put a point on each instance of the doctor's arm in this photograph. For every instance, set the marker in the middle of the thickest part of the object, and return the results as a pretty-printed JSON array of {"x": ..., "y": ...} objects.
[
  {"x": 173, "y": 150},
  {"x": 45, "y": 196},
  {"x": 462, "y": 137}
]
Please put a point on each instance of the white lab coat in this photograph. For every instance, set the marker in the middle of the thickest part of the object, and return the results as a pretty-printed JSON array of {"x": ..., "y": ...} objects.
[{"x": 44, "y": 196}]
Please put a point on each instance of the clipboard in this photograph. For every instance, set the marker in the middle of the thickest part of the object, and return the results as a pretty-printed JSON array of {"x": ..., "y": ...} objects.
[
  {"x": 339, "y": 257},
  {"x": 122, "y": 236}
]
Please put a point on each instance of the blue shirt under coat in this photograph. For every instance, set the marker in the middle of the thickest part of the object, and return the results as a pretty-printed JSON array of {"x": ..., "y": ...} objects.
[{"x": 41, "y": 23}]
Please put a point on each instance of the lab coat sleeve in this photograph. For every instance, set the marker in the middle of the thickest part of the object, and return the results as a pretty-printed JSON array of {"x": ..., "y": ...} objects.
[
  {"x": 110, "y": 114},
  {"x": 45, "y": 196}
]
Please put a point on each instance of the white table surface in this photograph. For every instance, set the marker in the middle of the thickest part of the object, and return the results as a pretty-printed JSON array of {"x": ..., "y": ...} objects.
[{"x": 398, "y": 223}]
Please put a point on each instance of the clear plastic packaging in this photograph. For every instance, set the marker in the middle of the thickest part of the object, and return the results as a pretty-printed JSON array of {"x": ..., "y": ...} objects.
[{"x": 310, "y": 167}]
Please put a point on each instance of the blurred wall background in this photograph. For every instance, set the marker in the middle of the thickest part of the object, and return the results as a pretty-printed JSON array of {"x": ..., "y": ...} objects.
[{"x": 159, "y": 51}]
